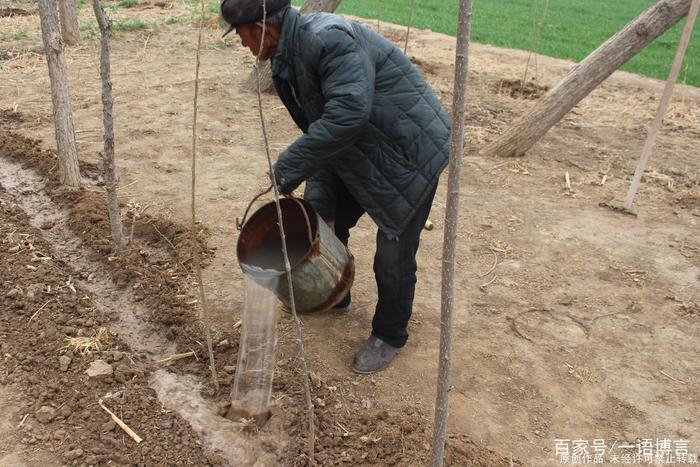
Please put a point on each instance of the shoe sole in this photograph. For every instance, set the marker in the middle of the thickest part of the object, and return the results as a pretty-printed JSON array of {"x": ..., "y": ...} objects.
[{"x": 369, "y": 372}]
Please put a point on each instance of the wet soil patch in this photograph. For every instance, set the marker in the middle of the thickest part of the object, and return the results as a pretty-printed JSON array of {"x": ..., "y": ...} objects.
[
  {"x": 161, "y": 281},
  {"x": 9, "y": 119},
  {"x": 425, "y": 67},
  {"x": 515, "y": 89}
]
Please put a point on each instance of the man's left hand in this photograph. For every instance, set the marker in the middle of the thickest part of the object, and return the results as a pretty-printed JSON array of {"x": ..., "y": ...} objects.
[{"x": 283, "y": 187}]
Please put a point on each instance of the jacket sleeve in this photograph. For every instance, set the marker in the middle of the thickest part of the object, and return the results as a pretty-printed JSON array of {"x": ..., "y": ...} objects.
[{"x": 347, "y": 84}]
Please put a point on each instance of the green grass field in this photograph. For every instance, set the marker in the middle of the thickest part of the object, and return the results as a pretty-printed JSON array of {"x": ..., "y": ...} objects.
[{"x": 569, "y": 29}]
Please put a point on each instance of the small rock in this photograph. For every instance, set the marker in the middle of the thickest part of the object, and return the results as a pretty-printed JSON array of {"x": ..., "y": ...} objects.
[
  {"x": 99, "y": 368},
  {"x": 34, "y": 290},
  {"x": 47, "y": 224},
  {"x": 215, "y": 459},
  {"x": 91, "y": 460},
  {"x": 367, "y": 404},
  {"x": 222, "y": 408},
  {"x": 64, "y": 362},
  {"x": 229, "y": 369},
  {"x": 108, "y": 426},
  {"x": 59, "y": 434},
  {"x": 13, "y": 293},
  {"x": 117, "y": 355},
  {"x": 66, "y": 411},
  {"x": 74, "y": 454},
  {"x": 13, "y": 249},
  {"x": 45, "y": 414}
]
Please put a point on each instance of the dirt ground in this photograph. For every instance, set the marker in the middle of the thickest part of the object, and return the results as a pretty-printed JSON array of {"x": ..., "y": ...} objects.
[{"x": 573, "y": 321}]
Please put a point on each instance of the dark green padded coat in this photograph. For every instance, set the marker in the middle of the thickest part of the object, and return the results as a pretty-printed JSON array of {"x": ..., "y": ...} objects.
[{"x": 368, "y": 117}]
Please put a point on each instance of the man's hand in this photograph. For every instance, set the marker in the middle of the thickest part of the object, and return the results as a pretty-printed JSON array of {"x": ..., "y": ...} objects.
[{"x": 279, "y": 179}]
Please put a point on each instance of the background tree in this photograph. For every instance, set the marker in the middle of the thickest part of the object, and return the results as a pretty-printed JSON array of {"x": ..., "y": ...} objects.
[
  {"x": 68, "y": 167},
  {"x": 69, "y": 21},
  {"x": 109, "y": 169}
]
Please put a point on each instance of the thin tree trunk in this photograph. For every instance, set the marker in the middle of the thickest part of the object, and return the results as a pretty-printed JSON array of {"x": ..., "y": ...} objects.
[
  {"x": 586, "y": 76},
  {"x": 663, "y": 105},
  {"x": 68, "y": 167},
  {"x": 408, "y": 26},
  {"x": 309, "y": 6},
  {"x": 449, "y": 247},
  {"x": 109, "y": 170},
  {"x": 69, "y": 22}
]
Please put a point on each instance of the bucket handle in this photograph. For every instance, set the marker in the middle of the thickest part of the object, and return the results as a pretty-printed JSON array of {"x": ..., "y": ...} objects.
[{"x": 241, "y": 223}]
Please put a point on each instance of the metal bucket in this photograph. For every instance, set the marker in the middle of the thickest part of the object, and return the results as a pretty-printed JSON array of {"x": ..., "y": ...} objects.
[{"x": 322, "y": 267}]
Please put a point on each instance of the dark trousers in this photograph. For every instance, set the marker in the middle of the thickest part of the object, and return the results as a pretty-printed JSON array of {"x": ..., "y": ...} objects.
[{"x": 394, "y": 266}]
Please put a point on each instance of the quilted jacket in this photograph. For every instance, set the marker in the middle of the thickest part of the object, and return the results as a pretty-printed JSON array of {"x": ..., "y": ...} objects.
[{"x": 369, "y": 120}]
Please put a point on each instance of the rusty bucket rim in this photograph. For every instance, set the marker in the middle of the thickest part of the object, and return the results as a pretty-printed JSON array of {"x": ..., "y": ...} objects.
[{"x": 269, "y": 273}]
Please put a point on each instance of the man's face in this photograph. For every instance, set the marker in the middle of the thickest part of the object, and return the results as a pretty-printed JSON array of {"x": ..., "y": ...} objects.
[{"x": 251, "y": 34}]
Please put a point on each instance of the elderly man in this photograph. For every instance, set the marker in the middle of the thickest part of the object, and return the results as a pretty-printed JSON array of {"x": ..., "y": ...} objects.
[{"x": 375, "y": 140}]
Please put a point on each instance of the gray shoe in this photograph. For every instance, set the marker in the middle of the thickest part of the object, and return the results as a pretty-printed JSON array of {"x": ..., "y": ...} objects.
[{"x": 374, "y": 355}]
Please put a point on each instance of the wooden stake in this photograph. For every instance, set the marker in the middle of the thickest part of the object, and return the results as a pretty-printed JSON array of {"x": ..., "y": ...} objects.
[
  {"x": 408, "y": 27},
  {"x": 449, "y": 247},
  {"x": 121, "y": 424},
  {"x": 195, "y": 244},
  {"x": 287, "y": 265},
  {"x": 663, "y": 104}
]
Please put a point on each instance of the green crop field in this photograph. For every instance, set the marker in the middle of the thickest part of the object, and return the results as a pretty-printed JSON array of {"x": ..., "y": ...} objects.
[{"x": 568, "y": 29}]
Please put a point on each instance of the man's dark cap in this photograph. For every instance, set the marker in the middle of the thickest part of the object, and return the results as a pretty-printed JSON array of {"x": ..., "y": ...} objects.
[{"x": 237, "y": 12}]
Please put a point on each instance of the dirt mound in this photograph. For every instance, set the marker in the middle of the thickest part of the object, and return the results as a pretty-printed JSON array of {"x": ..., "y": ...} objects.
[
  {"x": 42, "y": 308},
  {"x": 162, "y": 279},
  {"x": 9, "y": 11},
  {"x": 426, "y": 67},
  {"x": 515, "y": 89}
]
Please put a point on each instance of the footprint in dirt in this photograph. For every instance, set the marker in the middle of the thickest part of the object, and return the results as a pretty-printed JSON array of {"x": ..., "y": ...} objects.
[{"x": 547, "y": 325}]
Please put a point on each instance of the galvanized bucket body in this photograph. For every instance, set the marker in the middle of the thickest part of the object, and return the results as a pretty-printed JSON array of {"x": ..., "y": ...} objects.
[{"x": 321, "y": 276}]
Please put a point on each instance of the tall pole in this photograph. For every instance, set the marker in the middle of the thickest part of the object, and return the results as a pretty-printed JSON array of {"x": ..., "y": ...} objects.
[
  {"x": 451, "y": 223},
  {"x": 663, "y": 105}
]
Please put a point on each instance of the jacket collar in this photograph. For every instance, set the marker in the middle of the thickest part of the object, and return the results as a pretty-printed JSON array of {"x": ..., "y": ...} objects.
[{"x": 285, "y": 50}]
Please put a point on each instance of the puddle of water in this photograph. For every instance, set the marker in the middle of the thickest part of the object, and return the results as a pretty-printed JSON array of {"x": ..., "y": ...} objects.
[
  {"x": 182, "y": 395},
  {"x": 25, "y": 187}
]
